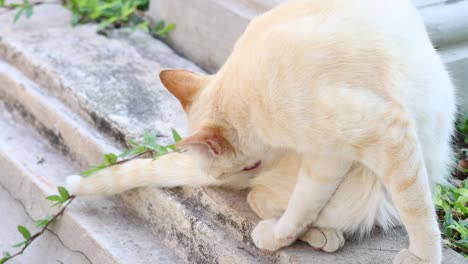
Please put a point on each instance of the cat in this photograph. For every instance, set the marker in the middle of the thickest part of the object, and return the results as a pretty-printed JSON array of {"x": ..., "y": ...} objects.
[{"x": 337, "y": 114}]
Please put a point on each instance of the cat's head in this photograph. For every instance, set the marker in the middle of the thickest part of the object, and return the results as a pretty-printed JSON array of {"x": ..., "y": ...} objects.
[{"x": 213, "y": 142}]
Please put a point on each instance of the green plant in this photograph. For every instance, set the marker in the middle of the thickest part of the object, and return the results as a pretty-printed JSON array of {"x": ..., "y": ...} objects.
[
  {"x": 63, "y": 199},
  {"x": 162, "y": 30},
  {"x": 148, "y": 146},
  {"x": 25, "y": 8},
  {"x": 109, "y": 14},
  {"x": 117, "y": 13},
  {"x": 451, "y": 203}
]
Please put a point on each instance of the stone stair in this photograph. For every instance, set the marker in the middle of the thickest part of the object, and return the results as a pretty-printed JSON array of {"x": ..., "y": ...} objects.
[
  {"x": 68, "y": 96},
  {"x": 91, "y": 231}
]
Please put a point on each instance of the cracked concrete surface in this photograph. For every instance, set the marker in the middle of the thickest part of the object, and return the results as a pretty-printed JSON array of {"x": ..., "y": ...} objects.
[
  {"x": 103, "y": 231},
  {"x": 48, "y": 248}
]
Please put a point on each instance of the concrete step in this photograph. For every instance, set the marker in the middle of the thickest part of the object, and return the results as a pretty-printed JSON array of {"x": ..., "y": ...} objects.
[
  {"x": 75, "y": 86},
  {"x": 168, "y": 214},
  {"x": 178, "y": 223},
  {"x": 49, "y": 248},
  {"x": 90, "y": 231}
]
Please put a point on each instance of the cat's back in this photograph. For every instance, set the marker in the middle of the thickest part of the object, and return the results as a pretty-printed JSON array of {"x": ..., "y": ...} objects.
[{"x": 363, "y": 43}]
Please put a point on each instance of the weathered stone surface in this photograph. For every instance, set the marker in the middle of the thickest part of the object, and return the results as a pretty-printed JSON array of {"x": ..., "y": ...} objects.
[
  {"x": 101, "y": 66},
  {"x": 90, "y": 231},
  {"x": 49, "y": 248},
  {"x": 91, "y": 76},
  {"x": 77, "y": 140}
]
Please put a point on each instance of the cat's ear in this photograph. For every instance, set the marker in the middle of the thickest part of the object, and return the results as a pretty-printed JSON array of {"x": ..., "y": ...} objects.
[
  {"x": 184, "y": 85},
  {"x": 208, "y": 141}
]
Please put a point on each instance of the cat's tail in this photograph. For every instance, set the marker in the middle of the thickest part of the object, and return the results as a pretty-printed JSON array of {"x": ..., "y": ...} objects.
[{"x": 170, "y": 170}]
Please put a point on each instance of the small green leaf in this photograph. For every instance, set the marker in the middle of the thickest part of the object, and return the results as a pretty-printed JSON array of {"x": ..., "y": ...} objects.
[
  {"x": 165, "y": 31},
  {"x": 18, "y": 14},
  {"x": 171, "y": 147},
  {"x": 58, "y": 204},
  {"x": 177, "y": 138},
  {"x": 63, "y": 192},
  {"x": 54, "y": 198},
  {"x": 159, "y": 26},
  {"x": 6, "y": 256},
  {"x": 106, "y": 23},
  {"x": 110, "y": 158},
  {"x": 43, "y": 222},
  {"x": 134, "y": 143},
  {"x": 2, "y": 3},
  {"x": 133, "y": 151},
  {"x": 143, "y": 26},
  {"x": 93, "y": 170},
  {"x": 24, "y": 231},
  {"x": 19, "y": 244},
  {"x": 29, "y": 11},
  {"x": 149, "y": 138},
  {"x": 75, "y": 18}
]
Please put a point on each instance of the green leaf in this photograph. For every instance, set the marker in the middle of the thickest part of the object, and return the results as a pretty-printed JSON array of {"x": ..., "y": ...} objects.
[
  {"x": 177, "y": 138},
  {"x": 149, "y": 138},
  {"x": 58, "y": 204},
  {"x": 133, "y": 151},
  {"x": 463, "y": 243},
  {"x": 2, "y": 3},
  {"x": 54, "y": 198},
  {"x": 75, "y": 18},
  {"x": 6, "y": 256},
  {"x": 159, "y": 26},
  {"x": 19, "y": 244},
  {"x": 63, "y": 192},
  {"x": 106, "y": 23},
  {"x": 110, "y": 158},
  {"x": 29, "y": 11},
  {"x": 165, "y": 31},
  {"x": 18, "y": 14},
  {"x": 93, "y": 170},
  {"x": 43, "y": 222},
  {"x": 171, "y": 147},
  {"x": 134, "y": 143},
  {"x": 143, "y": 26},
  {"x": 24, "y": 231}
]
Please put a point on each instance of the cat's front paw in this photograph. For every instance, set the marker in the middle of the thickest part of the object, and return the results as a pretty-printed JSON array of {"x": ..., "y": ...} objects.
[
  {"x": 406, "y": 257},
  {"x": 73, "y": 183},
  {"x": 264, "y": 237}
]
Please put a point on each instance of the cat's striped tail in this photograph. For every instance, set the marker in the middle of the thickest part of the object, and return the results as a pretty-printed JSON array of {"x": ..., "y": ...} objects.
[{"x": 170, "y": 170}]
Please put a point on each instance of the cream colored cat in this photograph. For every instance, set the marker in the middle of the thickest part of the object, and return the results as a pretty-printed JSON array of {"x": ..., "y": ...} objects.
[{"x": 338, "y": 114}]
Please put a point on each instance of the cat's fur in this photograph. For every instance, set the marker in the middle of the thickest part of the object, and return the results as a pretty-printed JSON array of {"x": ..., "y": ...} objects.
[{"x": 347, "y": 106}]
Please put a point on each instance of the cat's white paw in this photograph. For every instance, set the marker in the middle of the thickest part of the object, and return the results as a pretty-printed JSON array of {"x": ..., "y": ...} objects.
[
  {"x": 263, "y": 235},
  {"x": 326, "y": 239},
  {"x": 406, "y": 257},
  {"x": 72, "y": 183}
]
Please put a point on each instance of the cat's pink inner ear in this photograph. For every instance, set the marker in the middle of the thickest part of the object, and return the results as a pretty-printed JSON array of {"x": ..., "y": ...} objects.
[
  {"x": 209, "y": 140},
  {"x": 184, "y": 85}
]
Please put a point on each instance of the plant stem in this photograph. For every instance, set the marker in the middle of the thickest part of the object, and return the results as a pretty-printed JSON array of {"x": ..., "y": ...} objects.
[
  {"x": 149, "y": 151},
  {"x": 36, "y": 235}
]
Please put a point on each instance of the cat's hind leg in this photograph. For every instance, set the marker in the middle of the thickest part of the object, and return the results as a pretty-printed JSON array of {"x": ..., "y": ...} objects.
[
  {"x": 315, "y": 185},
  {"x": 270, "y": 202}
]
